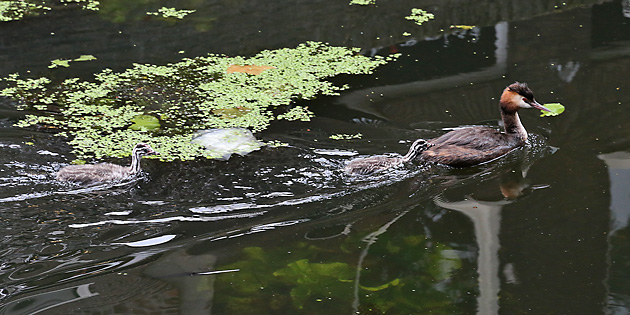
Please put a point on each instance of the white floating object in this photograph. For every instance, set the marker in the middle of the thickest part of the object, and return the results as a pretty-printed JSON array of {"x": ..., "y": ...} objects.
[
  {"x": 225, "y": 142},
  {"x": 335, "y": 152},
  {"x": 149, "y": 242}
]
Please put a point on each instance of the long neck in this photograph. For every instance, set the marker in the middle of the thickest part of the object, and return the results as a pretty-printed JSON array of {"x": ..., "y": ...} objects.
[
  {"x": 135, "y": 162},
  {"x": 513, "y": 125}
]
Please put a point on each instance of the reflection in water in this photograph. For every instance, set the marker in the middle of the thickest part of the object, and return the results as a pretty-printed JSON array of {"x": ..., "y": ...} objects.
[
  {"x": 485, "y": 213},
  {"x": 46, "y": 301},
  {"x": 618, "y": 275},
  {"x": 486, "y": 217},
  {"x": 369, "y": 240}
]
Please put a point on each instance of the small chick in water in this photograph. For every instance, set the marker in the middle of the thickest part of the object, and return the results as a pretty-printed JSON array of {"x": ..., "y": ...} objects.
[
  {"x": 105, "y": 172},
  {"x": 379, "y": 163}
]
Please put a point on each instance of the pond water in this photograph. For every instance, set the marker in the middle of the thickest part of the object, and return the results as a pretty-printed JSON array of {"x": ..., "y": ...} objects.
[{"x": 543, "y": 230}]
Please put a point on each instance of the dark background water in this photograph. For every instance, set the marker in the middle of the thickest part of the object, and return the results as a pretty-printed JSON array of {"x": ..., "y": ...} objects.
[{"x": 543, "y": 230}]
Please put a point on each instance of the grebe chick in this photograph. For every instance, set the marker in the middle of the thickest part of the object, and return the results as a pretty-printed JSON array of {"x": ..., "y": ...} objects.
[
  {"x": 105, "y": 172},
  {"x": 377, "y": 163},
  {"x": 475, "y": 145}
]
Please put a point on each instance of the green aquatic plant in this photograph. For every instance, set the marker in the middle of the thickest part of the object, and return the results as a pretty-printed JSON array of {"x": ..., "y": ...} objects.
[
  {"x": 420, "y": 16},
  {"x": 362, "y": 2},
  {"x": 16, "y": 10},
  {"x": 341, "y": 136},
  {"x": 85, "y": 4},
  {"x": 171, "y": 13},
  {"x": 401, "y": 275},
  {"x": 186, "y": 96},
  {"x": 315, "y": 279},
  {"x": 144, "y": 123},
  {"x": 59, "y": 63},
  {"x": 555, "y": 109}
]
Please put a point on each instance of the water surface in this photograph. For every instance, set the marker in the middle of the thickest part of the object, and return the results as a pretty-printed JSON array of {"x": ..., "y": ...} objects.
[{"x": 283, "y": 230}]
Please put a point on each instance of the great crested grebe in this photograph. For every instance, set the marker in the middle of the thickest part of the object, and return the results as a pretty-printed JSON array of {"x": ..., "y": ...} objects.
[
  {"x": 104, "y": 172},
  {"x": 377, "y": 163},
  {"x": 475, "y": 145}
]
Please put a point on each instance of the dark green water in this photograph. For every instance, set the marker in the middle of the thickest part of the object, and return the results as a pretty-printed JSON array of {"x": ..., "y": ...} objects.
[{"x": 543, "y": 230}]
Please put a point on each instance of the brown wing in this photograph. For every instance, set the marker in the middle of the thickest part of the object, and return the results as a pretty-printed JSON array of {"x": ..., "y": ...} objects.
[{"x": 469, "y": 146}]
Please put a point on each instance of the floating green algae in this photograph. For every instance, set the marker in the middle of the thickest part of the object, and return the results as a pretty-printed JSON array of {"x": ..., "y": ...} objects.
[
  {"x": 341, "y": 136},
  {"x": 171, "y": 13},
  {"x": 85, "y": 4},
  {"x": 420, "y": 16},
  {"x": 184, "y": 97},
  {"x": 16, "y": 10},
  {"x": 362, "y": 2}
]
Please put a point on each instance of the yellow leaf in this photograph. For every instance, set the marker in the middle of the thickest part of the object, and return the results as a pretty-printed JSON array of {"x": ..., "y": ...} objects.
[
  {"x": 464, "y": 27},
  {"x": 250, "y": 69}
]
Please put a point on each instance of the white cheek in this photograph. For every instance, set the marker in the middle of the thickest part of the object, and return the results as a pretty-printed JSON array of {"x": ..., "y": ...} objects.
[{"x": 518, "y": 100}]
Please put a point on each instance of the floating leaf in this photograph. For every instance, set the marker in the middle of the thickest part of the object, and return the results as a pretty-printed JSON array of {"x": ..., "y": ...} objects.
[
  {"x": 362, "y": 2},
  {"x": 59, "y": 63},
  {"x": 85, "y": 58},
  {"x": 144, "y": 123},
  {"x": 556, "y": 109},
  {"x": 464, "y": 27},
  {"x": 249, "y": 69}
]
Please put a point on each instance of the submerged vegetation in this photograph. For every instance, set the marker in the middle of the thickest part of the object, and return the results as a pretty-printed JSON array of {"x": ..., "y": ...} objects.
[
  {"x": 104, "y": 117},
  {"x": 315, "y": 281}
]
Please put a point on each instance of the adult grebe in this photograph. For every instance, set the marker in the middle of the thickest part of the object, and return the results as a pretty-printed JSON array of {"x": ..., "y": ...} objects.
[
  {"x": 377, "y": 163},
  {"x": 474, "y": 145},
  {"x": 104, "y": 172}
]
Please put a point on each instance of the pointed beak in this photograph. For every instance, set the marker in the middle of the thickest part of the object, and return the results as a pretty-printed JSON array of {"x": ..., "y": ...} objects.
[
  {"x": 537, "y": 105},
  {"x": 153, "y": 152}
]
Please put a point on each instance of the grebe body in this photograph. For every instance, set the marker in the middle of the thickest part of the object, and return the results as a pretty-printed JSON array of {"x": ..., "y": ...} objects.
[
  {"x": 475, "y": 145},
  {"x": 366, "y": 166},
  {"x": 105, "y": 172}
]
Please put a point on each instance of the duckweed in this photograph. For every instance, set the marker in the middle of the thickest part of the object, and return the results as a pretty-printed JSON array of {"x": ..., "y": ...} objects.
[
  {"x": 363, "y": 2},
  {"x": 171, "y": 13},
  {"x": 342, "y": 136},
  {"x": 420, "y": 16},
  {"x": 16, "y": 10},
  {"x": 193, "y": 94}
]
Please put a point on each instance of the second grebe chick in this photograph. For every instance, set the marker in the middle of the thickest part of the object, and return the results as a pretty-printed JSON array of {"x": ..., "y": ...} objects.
[
  {"x": 105, "y": 172},
  {"x": 377, "y": 163},
  {"x": 475, "y": 145}
]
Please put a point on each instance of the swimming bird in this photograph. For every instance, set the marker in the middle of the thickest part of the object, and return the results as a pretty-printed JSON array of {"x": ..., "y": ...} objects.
[
  {"x": 378, "y": 163},
  {"x": 105, "y": 172},
  {"x": 475, "y": 145}
]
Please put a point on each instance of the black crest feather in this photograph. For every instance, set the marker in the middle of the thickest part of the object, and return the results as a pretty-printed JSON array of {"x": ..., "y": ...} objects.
[{"x": 522, "y": 89}]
